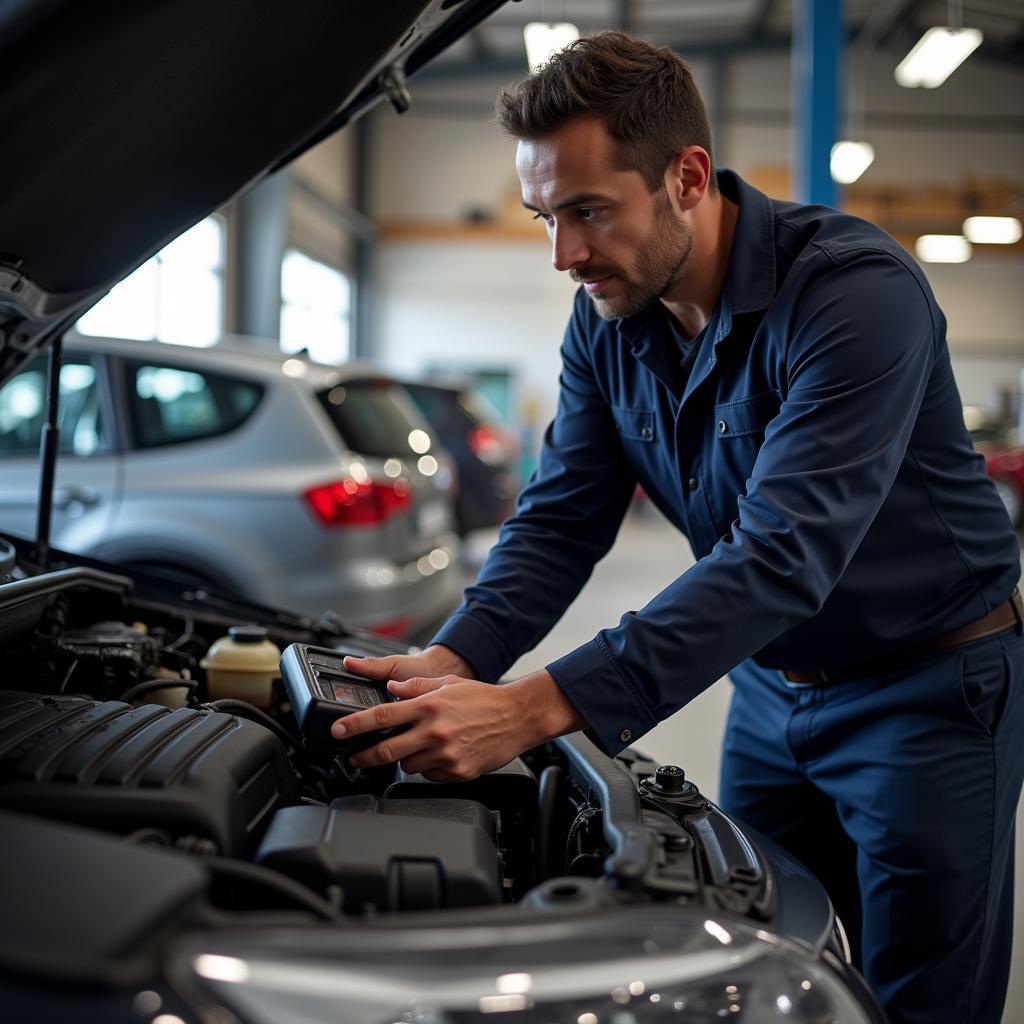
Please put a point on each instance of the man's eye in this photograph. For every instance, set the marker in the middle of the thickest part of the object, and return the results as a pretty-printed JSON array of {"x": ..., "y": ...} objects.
[
  {"x": 541, "y": 216},
  {"x": 587, "y": 212}
]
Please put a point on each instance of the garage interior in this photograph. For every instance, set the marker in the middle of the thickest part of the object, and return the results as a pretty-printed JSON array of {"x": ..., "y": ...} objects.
[
  {"x": 434, "y": 269},
  {"x": 441, "y": 192}
]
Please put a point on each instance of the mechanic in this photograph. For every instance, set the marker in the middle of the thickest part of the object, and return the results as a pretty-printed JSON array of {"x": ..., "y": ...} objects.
[{"x": 777, "y": 378}]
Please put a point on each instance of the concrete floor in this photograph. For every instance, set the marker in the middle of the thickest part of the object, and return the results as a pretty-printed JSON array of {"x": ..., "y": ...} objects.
[{"x": 648, "y": 555}]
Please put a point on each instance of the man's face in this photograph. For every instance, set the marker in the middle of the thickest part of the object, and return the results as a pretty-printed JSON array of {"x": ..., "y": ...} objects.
[{"x": 626, "y": 245}]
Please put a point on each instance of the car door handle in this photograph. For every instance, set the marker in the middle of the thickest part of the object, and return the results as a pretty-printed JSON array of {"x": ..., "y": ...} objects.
[{"x": 81, "y": 497}]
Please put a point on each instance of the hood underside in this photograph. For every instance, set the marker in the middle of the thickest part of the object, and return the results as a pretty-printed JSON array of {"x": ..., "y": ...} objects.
[{"x": 125, "y": 123}]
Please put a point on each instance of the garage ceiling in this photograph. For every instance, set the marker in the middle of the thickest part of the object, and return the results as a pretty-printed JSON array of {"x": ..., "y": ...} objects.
[{"x": 695, "y": 27}]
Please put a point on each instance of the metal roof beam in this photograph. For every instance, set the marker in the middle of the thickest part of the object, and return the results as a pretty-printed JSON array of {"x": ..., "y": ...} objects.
[
  {"x": 507, "y": 66},
  {"x": 883, "y": 20}
]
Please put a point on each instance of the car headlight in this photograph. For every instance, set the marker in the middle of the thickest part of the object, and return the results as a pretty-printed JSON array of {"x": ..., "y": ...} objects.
[{"x": 652, "y": 966}]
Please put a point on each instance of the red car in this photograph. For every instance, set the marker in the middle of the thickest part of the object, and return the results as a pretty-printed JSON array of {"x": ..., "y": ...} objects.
[{"x": 1004, "y": 459}]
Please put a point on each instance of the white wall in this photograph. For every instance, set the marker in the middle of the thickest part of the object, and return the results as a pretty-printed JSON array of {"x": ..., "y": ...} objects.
[
  {"x": 985, "y": 380},
  {"x": 328, "y": 170},
  {"x": 475, "y": 306},
  {"x": 983, "y": 301},
  {"x": 435, "y": 169},
  {"x": 328, "y": 167}
]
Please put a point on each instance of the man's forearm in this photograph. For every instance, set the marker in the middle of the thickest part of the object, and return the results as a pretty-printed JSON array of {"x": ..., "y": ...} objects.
[
  {"x": 447, "y": 662},
  {"x": 544, "y": 710}
]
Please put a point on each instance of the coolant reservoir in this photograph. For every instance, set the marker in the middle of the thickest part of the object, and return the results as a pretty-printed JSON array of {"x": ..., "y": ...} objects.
[{"x": 242, "y": 665}]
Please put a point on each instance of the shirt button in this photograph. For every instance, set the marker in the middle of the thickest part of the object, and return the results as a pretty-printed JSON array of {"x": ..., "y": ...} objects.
[
  {"x": 625, "y": 735},
  {"x": 722, "y": 426},
  {"x": 694, "y": 483},
  {"x": 646, "y": 432}
]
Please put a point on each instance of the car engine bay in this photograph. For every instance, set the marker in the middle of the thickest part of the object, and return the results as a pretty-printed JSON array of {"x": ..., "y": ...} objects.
[{"x": 129, "y": 788}]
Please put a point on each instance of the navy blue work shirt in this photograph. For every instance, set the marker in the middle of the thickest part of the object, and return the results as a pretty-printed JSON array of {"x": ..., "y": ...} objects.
[{"x": 815, "y": 456}]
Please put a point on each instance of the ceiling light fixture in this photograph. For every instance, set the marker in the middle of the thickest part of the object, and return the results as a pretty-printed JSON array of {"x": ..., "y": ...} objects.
[
  {"x": 993, "y": 230},
  {"x": 544, "y": 39},
  {"x": 943, "y": 249},
  {"x": 850, "y": 160},
  {"x": 939, "y": 52}
]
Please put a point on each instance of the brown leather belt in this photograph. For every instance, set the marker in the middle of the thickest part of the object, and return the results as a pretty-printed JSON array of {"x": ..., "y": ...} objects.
[{"x": 1009, "y": 613}]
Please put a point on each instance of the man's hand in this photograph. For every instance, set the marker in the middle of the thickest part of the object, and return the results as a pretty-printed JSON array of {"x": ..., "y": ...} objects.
[
  {"x": 434, "y": 662},
  {"x": 461, "y": 728}
]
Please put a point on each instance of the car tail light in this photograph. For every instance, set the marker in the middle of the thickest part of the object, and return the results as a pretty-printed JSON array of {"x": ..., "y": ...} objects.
[
  {"x": 395, "y": 628},
  {"x": 489, "y": 445},
  {"x": 350, "y": 502}
]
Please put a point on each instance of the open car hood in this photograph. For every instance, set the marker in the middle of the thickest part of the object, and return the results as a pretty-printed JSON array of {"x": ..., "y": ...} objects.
[{"x": 126, "y": 123}]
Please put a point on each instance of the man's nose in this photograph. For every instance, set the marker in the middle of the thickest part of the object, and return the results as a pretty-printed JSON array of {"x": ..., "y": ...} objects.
[{"x": 567, "y": 248}]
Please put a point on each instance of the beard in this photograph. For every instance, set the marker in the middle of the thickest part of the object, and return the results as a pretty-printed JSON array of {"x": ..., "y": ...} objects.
[{"x": 660, "y": 264}]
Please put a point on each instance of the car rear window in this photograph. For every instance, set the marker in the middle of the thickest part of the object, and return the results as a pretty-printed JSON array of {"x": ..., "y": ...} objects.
[
  {"x": 442, "y": 408},
  {"x": 171, "y": 404},
  {"x": 454, "y": 408},
  {"x": 376, "y": 418}
]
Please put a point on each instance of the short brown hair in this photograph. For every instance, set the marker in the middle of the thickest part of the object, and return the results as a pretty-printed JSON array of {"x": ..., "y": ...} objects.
[{"x": 644, "y": 94}]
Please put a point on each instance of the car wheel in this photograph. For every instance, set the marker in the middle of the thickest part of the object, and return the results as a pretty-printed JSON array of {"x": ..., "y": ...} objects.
[{"x": 1010, "y": 497}]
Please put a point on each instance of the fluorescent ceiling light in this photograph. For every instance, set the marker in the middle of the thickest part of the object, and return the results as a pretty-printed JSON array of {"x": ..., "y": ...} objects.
[
  {"x": 543, "y": 40},
  {"x": 943, "y": 249},
  {"x": 938, "y": 53},
  {"x": 850, "y": 160},
  {"x": 993, "y": 230}
]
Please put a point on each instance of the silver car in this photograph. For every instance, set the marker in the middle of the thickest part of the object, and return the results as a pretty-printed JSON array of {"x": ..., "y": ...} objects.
[{"x": 294, "y": 484}]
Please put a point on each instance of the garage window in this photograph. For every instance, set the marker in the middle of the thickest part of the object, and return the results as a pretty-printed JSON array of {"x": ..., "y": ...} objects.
[
  {"x": 316, "y": 308},
  {"x": 177, "y": 296}
]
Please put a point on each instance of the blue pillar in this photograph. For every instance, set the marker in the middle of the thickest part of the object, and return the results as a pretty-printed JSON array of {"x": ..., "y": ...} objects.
[{"x": 816, "y": 67}]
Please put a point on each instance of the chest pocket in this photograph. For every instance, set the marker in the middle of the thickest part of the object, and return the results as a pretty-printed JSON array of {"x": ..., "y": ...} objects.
[
  {"x": 634, "y": 424},
  {"x": 738, "y": 429},
  {"x": 747, "y": 416}
]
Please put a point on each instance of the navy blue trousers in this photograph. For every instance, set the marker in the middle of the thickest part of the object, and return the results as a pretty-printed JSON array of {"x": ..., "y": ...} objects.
[{"x": 899, "y": 792}]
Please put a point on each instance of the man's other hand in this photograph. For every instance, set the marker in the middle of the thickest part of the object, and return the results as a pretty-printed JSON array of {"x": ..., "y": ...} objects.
[
  {"x": 434, "y": 662},
  {"x": 460, "y": 728}
]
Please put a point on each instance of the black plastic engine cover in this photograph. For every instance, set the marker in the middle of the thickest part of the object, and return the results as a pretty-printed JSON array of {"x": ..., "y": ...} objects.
[
  {"x": 120, "y": 768},
  {"x": 392, "y": 854},
  {"x": 79, "y": 906}
]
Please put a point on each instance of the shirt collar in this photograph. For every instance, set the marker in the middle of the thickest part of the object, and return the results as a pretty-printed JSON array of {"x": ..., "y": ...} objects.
[
  {"x": 749, "y": 284},
  {"x": 750, "y": 277}
]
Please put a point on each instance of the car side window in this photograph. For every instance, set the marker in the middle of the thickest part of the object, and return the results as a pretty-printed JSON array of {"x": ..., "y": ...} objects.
[
  {"x": 171, "y": 405},
  {"x": 23, "y": 409}
]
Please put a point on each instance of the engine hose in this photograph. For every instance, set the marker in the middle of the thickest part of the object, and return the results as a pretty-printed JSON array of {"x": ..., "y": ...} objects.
[
  {"x": 281, "y": 884},
  {"x": 577, "y": 826},
  {"x": 548, "y": 793},
  {"x": 246, "y": 710},
  {"x": 150, "y": 685}
]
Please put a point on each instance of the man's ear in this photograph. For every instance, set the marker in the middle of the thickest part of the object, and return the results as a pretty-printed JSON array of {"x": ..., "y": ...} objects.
[{"x": 688, "y": 177}]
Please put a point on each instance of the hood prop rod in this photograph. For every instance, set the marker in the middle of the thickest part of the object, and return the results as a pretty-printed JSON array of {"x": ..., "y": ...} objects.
[{"x": 49, "y": 445}]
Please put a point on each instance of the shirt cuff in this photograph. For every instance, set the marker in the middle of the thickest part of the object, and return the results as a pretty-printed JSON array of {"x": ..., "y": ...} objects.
[
  {"x": 475, "y": 642},
  {"x": 603, "y": 696}
]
